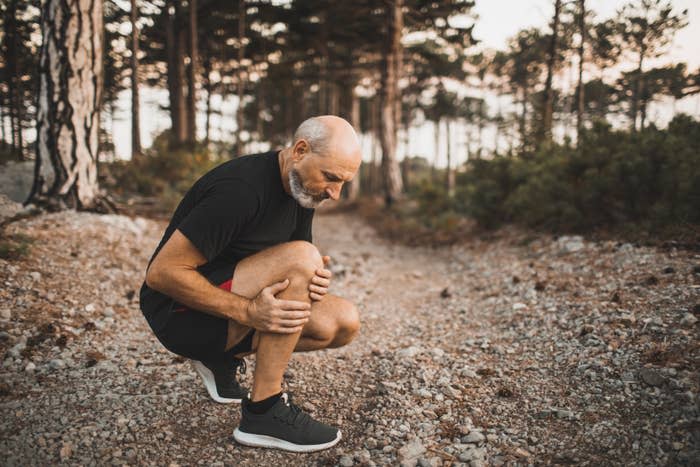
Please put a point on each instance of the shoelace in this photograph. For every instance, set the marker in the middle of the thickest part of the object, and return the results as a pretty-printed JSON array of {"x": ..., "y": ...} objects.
[{"x": 296, "y": 416}]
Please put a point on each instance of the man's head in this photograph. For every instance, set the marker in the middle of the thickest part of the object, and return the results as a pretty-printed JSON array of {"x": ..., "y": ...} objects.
[{"x": 325, "y": 154}]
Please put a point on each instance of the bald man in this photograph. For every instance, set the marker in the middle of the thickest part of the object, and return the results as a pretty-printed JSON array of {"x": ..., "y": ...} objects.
[{"x": 236, "y": 273}]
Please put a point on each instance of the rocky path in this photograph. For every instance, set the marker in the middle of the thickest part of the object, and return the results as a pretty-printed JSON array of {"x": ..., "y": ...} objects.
[{"x": 513, "y": 351}]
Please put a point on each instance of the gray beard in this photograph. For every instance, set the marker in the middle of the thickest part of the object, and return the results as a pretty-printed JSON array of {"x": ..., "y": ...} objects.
[{"x": 303, "y": 197}]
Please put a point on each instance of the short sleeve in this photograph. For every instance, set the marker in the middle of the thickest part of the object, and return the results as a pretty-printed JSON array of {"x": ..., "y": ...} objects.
[
  {"x": 304, "y": 221},
  {"x": 220, "y": 216}
]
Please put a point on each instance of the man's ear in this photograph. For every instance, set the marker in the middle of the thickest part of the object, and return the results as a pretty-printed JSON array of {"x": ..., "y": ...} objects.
[{"x": 301, "y": 148}]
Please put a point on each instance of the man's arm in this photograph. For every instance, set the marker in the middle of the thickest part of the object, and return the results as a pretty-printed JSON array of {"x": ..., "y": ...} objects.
[{"x": 173, "y": 272}]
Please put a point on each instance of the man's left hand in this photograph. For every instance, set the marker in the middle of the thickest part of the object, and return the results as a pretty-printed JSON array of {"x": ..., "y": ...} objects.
[{"x": 320, "y": 282}]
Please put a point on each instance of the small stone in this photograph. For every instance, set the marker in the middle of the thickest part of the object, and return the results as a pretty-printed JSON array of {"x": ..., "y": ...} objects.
[
  {"x": 473, "y": 437},
  {"x": 66, "y": 451},
  {"x": 651, "y": 377},
  {"x": 5, "y": 313},
  {"x": 30, "y": 367},
  {"x": 520, "y": 452},
  {"x": 35, "y": 275},
  {"x": 109, "y": 311},
  {"x": 519, "y": 306},
  {"x": 90, "y": 307},
  {"x": 468, "y": 373},
  {"x": 688, "y": 319},
  {"x": 56, "y": 364},
  {"x": 669, "y": 270},
  {"x": 410, "y": 452},
  {"x": 409, "y": 352},
  {"x": 346, "y": 461}
]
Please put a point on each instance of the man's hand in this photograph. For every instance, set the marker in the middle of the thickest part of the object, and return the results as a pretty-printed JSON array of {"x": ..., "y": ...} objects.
[
  {"x": 320, "y": 282},
  {"x": 268, "y": 314}
]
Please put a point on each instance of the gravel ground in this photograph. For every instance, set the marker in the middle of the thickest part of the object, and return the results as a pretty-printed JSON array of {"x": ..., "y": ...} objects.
[{"x": 510, "y": 351}]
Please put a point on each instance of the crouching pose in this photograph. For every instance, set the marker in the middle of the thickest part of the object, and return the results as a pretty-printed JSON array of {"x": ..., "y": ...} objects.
[{"x": 236, "y": 273}]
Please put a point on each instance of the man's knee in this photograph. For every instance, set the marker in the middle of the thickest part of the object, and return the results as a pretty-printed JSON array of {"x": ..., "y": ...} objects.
[
  {"x": 303, "y": 258},
  {"x": 347, "y": 325}
]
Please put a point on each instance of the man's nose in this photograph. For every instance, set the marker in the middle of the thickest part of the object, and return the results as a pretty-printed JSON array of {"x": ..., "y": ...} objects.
[{"x": 334, "y": 192}]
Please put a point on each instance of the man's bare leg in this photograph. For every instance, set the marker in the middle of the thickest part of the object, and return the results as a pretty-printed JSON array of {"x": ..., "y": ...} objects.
[{"x": 296, "y": 261}]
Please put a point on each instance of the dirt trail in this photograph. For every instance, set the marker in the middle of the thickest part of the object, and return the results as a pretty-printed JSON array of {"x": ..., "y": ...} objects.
[{"x": 535, "y": 351}]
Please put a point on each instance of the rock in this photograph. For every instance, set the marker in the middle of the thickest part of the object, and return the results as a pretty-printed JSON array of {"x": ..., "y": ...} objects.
[
  {"x": 5, "y": 313},
  {"x": 30, "y": 367},
  {"x": 570, "y": 244},
  {"x": 468, "y": 373},
  {"x": 66, "y": 451},
  {"x": 437, "y": 352},
  {"x": 17, "y": 349},
  {"x": 56, "y": 364},
  {"x": 688, "y": 319},
  {"x": 35, "y": 275},
  {"x": 445, "y": 293},
  {"x": 669, "y": 270},
  {"x": 90, "y": 307},
  {"x": 473, "y": 437},
  {"x": 346, "y": 461},
  {"x": 410, "y": 452},
  {"x": 519, "y": 306},
  {"x": 651, "y": 377},
  {"x": 409, "y": 352},
  {"x": 520, "y": 452}
]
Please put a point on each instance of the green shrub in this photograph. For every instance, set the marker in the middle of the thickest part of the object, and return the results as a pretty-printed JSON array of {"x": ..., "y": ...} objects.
[{"x": 613, "y": 177}]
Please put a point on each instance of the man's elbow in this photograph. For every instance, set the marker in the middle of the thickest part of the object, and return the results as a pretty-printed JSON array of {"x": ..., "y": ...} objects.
[{"x": 154, "y": 278}]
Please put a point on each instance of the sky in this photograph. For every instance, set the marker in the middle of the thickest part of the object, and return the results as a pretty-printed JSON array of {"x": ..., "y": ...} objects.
[{"x": 497, "y": 21}]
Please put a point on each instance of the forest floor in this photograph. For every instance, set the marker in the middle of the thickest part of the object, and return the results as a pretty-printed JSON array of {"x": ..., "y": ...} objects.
[{"x": 512, "y": 350}]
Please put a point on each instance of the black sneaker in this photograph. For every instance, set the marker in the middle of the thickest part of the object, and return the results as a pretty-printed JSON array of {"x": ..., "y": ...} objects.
[
  {"x": 284, "y": 426},
  {"x": 220, "y": 379}
]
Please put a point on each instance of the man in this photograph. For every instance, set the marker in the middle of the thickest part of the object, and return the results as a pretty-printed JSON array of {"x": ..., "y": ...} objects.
[{"x": 236, "y": 273}]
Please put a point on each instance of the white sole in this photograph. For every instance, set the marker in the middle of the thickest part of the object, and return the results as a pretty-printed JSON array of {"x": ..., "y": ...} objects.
[
  {"x": 263, "y": 441},
  {"x": 210, "y": 383}
]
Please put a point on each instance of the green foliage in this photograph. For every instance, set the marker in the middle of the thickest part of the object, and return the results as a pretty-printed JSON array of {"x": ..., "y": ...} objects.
[
  {"x": 650, "y": 178},
  {"x": 163, "y": 172},
  {"x": 14, "y": 247}
]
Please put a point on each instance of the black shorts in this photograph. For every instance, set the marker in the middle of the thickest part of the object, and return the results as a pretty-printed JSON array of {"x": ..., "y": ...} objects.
[{"x": 194, "y": 334}]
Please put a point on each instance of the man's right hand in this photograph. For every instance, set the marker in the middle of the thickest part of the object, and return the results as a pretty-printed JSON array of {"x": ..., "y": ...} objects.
[{"x": 268, "y": 314}]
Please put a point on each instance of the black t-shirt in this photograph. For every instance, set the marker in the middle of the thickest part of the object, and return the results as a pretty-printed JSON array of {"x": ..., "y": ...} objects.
[{"x": 233, "y": 211}]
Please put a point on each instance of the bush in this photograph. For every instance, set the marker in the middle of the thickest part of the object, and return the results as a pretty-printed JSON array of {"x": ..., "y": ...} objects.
[
  {"x": 161, "y": 172},
  {"x": 613, "y": 177}
]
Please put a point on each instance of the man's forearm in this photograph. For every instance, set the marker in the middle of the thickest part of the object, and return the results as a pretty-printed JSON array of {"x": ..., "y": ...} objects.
[{"x": 193, "y": 290}]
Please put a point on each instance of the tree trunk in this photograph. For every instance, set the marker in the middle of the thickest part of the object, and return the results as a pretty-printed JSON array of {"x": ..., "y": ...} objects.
[
  {"x": 450, "y": 175},
  {"x": 634, "y": 110},
  {"x": 135, "y": 120},
  {"x": 193, "y": 72},
  {"x": 523, "y": 117},
  {"x": 70, "y": 92},
  {"x": 548, "y": 110},
  {"x": 580, "y": 103},
  {"x": 241, "y": 56},
  {"x": 436, "y": 154},
  {"x": 388, "y": 96},
  {"x": 176, "y": 73},
  {"x": 208, "y": 88},
  {"x": 354, "y": 188}
]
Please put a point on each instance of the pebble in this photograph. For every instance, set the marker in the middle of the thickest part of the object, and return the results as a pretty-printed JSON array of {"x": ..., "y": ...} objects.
[
  {"x": 56, "y": 364},
  {"x": 30, "y": 367},
  {"x": 409, "y": 352},
  {"x": 346, "y": 461},
  {"x": 688, "y": 320},
  {"x": 651, "y": 377},
  {"x": 5, "y": 313},
  {"x": 473, "y": 437}
]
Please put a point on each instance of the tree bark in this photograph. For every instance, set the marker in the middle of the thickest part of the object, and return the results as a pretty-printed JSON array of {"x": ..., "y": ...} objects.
[
  {"x": 193, "y": 75},
  {"x": 548, "y": 110},
  {"x": 580, "y": 103},
  {"x": 388, "y": 95},
  {"x": 450, "y": 175},
  {"x": 354, "y": 188},
  {"x": 634, "y": 111},
  {"x": 241, "y": 72},
  {"x": 70, "y": 92},
  {"x": 15, "y": 94},
  {"x": 176, "y": 72},
  {"x": 208, "y": 88},
  {"x": 135, "y": 107}
]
